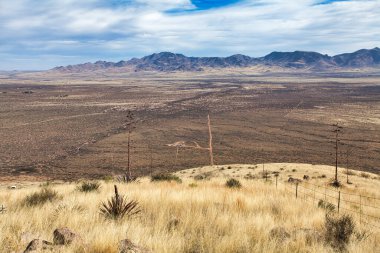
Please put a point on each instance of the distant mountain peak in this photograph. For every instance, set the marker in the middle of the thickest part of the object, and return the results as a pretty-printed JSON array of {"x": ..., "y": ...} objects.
[{"x": 168, "y": 61}]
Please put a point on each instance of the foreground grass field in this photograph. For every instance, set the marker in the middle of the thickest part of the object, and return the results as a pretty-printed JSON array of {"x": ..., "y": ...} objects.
[{"x": 192, "y": 216}]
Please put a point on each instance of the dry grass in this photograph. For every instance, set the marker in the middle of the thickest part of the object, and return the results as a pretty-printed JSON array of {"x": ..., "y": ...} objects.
[{"x": 177, "y": 218}]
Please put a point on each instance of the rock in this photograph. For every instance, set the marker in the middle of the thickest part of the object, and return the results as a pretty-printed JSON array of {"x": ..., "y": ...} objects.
[
  {"x": 64, "y": 236},
  {"x": 27, "y": 237},
  {"x": 38, "y": 245},
  {"x": 126, "y": 246},
  {"x": 279, "y": 233}
]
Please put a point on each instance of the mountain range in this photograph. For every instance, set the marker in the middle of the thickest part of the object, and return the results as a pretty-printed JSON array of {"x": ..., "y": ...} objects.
[{"x": 166, "y": 61}]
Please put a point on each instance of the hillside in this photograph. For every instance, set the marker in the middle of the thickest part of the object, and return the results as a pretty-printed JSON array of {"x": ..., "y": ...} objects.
[
  {"x": 196, "y": 215},
  {"x": 167, "y": 61}
]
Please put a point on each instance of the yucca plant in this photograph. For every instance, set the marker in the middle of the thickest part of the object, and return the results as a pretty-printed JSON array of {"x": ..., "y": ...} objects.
[{"x": 119, "y": 207}]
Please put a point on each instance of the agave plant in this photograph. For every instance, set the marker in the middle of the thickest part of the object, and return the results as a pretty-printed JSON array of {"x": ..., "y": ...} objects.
[{"x": 119, "y": 207}]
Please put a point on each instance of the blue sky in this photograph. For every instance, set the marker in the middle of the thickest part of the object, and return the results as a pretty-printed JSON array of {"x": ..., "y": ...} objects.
[{"x": 46, "y": 33}]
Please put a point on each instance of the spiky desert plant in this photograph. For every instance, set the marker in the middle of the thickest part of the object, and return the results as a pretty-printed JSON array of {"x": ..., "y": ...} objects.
[{"x": 119, "y": 207}]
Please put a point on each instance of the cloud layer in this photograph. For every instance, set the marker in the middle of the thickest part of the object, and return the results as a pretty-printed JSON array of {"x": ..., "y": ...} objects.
[{"x": 46, "y": 33}]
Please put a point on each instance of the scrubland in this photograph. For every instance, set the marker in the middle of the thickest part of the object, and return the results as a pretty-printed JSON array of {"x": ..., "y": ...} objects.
[{"x": 191, "y": 216}]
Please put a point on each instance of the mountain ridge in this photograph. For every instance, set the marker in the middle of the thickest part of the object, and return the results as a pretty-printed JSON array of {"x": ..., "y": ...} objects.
[{"x": 168, "y": 62}]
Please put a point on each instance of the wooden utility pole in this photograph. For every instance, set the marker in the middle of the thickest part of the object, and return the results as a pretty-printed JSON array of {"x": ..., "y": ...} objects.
[
  {"x": 210, "y": 141},
  {"x": 129, "y": 125},
  {"x": 336, "y": 131},
  {"x": 348, "y": 151},
  {"x": 129, "y": 175}
]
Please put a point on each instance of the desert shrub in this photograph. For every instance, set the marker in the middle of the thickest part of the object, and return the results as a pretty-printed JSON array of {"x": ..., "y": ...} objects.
[
  {"x": 229, "y": 167},
  {"x": 41, "y": 197},
  {"x": 338, "y": 230},
  {"x": 203, "y": 176},
  {"x": 365, "y": 175},
  {"x": 165, "y": 177},
  {"x": 67, "y": 208},
  {"x": 323, "y": 176},
  {"x": 193, "y": 185},
  {"x": 108, "y": 178},
  {"x": 326, "y": 205},
  {"x": 349, "y": 172},
  {"x": 45, "y": 184},
  {"x": 119, "y": 207},
  {"x": 89, "y": 186},
  {"x": 233, "y": 183},
  {"x": 294, "y": 170}
]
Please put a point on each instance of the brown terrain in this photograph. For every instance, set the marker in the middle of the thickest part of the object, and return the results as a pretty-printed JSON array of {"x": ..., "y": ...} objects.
[{"x": 69, "y": 126}]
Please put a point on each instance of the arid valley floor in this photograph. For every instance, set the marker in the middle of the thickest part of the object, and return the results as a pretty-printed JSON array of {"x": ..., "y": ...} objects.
[{"x": 68, "y": 126}]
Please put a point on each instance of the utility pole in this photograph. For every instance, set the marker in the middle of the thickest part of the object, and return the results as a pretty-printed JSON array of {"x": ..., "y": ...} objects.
[
  {"x": 129, "y": 176},
  {"x": 129, "y": 125},
  {"x": 348, "y": 151},
  {"x": 210, "y": 141},
  {"x": 336, "y": 130}
]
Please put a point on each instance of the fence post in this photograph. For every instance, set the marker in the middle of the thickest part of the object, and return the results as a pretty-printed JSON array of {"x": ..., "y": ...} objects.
[
  {"x": 338, "y": 201},
  {"x": 360, "y": 209},
  {"x": 276, "y": 181},
  {"x": 296, "y": 190}
]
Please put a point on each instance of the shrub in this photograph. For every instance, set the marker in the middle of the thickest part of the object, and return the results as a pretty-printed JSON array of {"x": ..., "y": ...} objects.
[
  {"x": 108, "y": 178},
  {"x": 41, "y": 197},
  {"x": 89, "y": 186},
  {"x": 365, "y": 175},
  {"x": 326, "y": 205},
  {"x": 165, "y": 177},
  {"x": 203, "y": 176},
  {"x": 338, "y": 230},
  {"x": 118, "y": 207},
  {"x": 193, "y": 185},
  {"x": 233, "y": 183}
]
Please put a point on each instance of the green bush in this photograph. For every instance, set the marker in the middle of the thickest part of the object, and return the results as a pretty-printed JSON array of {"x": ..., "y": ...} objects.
[
  {"x": 89, "y": 186},
  {"x": 165, "y": 177},
  {"x": 233, "y": 183},
  {"x": 41, "y": 197}
]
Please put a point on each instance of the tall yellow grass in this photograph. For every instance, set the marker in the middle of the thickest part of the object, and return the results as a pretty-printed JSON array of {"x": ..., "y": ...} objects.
[{"x": 211, "y": 218}]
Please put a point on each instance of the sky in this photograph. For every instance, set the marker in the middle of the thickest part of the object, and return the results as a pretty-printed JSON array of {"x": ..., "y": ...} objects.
[{"x": 36, "y": 35}]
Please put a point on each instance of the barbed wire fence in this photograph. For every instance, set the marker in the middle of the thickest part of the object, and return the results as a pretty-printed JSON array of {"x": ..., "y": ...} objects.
[{"x": 365, "y": 208}]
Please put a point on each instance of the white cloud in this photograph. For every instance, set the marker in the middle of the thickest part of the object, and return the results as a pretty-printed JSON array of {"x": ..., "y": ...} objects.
[{"x": 96, "y": 29}]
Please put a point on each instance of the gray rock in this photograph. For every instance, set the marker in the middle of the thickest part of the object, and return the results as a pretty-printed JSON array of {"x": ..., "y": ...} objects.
[
  {"x": 64, "y": 236},
  {"x": 126, "y": 246},
  {"x": 38, "y": 245}
]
